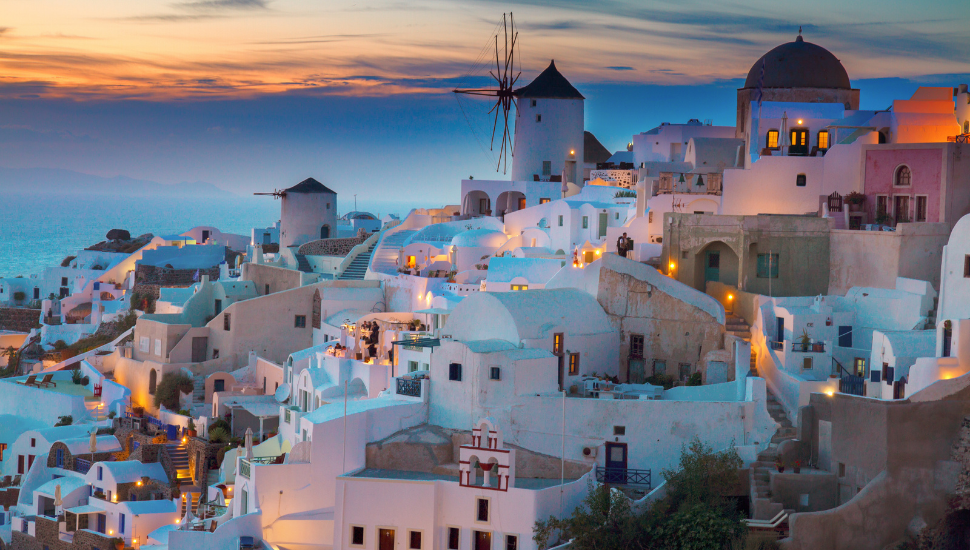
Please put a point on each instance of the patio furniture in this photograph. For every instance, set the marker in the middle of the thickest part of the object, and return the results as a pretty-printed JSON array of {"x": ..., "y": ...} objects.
[
  {"x": 246, "y": 543},
  {"x": 47, "y": 381},
  {"x": 30, "y": 381}
]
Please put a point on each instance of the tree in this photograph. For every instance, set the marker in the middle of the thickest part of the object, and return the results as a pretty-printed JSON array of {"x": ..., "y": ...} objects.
[
  {"x": 168, "y": 390},
  {"x": 697, "y": 512}
]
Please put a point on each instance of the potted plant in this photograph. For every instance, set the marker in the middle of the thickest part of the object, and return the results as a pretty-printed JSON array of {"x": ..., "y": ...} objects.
[
  {"x": 806, "y": 340},
  {"x": 118, "y": 542},
  {"x": 855, "y": 200},
  {"x": 818, "y": 346},
  {"x": 780, "y": 465},
  {"x": 191, "y": 428},
  {"x": 76, "y": 375},
  {"x": 797, "y": 466}
]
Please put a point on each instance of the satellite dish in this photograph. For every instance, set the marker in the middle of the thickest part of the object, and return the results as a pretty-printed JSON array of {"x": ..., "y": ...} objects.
[{"x": 282, "y": 393}]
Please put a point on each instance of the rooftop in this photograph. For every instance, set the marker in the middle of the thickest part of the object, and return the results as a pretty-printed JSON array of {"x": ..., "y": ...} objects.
[
  {"x": 550, "y": 84},
  {"x": 310, "y": 185},
  {"x": 64, "y": 384},
  {"x": 520, "y": 483}
]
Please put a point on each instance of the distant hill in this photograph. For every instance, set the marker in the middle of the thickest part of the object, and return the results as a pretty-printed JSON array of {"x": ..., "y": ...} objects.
[{"x": 69, "y": 182}]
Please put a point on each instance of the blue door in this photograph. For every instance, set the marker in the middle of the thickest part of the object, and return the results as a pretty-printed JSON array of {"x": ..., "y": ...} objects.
[
  {"x": 712, "y": 266},
  {"x": 101, "y": 523},
  {"x": 60, "y": 458},
  {"x": 616, "y": 462}
]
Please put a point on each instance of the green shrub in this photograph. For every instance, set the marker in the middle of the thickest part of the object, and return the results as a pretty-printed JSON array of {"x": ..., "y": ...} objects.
[
  {"x": 218, "y": 435},
  {"x": 220, "y": 423},
  {"x": 168, "y": 390},
  {"x": 19, "y": 296},
  {"x": 694, "y": 380},
  {"x": 66, "y": 420},
  {"x": 664, "y": 380}
]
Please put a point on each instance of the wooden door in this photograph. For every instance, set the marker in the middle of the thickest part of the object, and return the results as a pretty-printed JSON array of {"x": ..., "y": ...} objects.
[
  {"x": 483, "y": 540},
  {"x": 385, "y": 539},
  {"x": 200, "y": 348},
  {"x": 799, "y": 142},
  {"x": 604, "y": 221}
]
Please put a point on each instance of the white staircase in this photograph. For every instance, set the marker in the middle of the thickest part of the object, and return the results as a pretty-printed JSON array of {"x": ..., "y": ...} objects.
[{"x": 384, "y": 258}]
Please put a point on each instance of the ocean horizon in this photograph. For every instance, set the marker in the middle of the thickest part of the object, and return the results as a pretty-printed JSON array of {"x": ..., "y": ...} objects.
[{"x": 39, "y": 230}]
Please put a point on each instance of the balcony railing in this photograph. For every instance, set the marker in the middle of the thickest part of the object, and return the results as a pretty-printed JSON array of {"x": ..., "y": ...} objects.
[
  {"x": 811, "y": 347},
  {"x": 623, "y": 476},
  {"x": 245, "y": 465},
  {"x": 244, "y": 468},
  {"x": 411, "y": 388}
]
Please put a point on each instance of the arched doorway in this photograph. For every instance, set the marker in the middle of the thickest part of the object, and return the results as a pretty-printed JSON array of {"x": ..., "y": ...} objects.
[
  {"x": 509, "y": 201},
  {"x": 152, "y": 381},
  {"x": 477, "y": 203},
  {"x": 325, "y": 232},
  {"x": 715, "y": 262}
]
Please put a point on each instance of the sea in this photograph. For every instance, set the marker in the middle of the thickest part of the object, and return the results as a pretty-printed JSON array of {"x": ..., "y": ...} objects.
[{"x": 38, "y": 231}]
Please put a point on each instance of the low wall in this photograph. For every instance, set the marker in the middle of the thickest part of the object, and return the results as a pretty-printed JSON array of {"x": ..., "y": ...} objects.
[
  {"x": 40, "y": 404},
  {"x": 331, "y": 247},
  {"x": 151, "y": 275},
  {"x": 18, "y": 319}
]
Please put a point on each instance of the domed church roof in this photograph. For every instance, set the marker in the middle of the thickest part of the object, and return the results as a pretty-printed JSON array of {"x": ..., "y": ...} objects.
[{"x": 799, "y": 64}]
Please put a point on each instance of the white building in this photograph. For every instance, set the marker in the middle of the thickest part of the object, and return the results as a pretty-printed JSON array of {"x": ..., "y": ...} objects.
[{"x": 308, "y": 212}]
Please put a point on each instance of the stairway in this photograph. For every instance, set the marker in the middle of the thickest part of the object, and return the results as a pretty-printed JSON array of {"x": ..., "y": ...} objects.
[
  {"x": 193, "y": 499},
  {"x": 198, "y": 389},
  {"x": 357, "y": 268},
  {"x": 737, "y": 327},
  {"x": 180, "y": 461},
  {"x": 302, "y": 264},
  {"x": 386, "y": 254},
  {"x": 762, "y": 505}
]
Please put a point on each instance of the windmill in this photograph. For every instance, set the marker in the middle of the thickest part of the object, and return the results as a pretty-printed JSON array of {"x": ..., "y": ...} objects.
[
  {"x": 501, "y": 89},
  {"x": 276, "y": 194}
]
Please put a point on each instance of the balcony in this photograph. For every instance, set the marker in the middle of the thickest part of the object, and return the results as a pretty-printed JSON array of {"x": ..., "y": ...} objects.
[
  {"x": 623, "y": 476},
  {"x": 671, "y": 183},
  {"x": 808, "y": 347},
  {"x": 245, "y": 465}
]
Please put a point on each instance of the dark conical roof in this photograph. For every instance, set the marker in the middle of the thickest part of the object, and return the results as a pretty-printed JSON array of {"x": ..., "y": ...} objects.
[
  {"x": 550, "y": 84},
  {"x": 799, "y": 64},
  {"x": 310, "y": 185},
  {"x": 593, "y": 150}
]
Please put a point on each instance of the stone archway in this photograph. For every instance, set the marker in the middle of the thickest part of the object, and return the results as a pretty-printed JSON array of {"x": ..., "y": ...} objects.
[{"x": 716, "y": 262}]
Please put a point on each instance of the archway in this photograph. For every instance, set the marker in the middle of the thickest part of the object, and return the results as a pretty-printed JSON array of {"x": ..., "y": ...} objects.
[
  {"x": 715, "y": 262},
  {"x": 509, "y": 201},
  {"x": 325, "y": 232},
  {"x": 477, "y": 203}
]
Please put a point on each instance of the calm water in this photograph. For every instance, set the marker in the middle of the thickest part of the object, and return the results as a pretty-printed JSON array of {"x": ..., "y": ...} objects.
[{"x": 37, "y": 231}]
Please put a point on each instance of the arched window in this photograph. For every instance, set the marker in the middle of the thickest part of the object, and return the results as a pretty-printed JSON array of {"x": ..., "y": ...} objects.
[
  {"x": 903, "y": 176},
  {"x": 772, "y": 139},
  {"x": 152, "y": 381}
]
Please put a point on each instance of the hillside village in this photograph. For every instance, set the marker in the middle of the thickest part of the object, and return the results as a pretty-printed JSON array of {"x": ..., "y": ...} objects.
[{"x": 794, "y": 289}]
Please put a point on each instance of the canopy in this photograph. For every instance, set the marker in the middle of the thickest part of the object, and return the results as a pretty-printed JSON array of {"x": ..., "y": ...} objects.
[{"x": 86, "y": 509}]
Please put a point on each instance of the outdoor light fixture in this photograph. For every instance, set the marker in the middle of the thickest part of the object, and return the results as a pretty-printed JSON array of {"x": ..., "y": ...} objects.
[
  {"x": 799, "y": 121},
  {"x": 139, "y": 484},
  {"x": 673, "y": 265},
  {"x": 572, "y": 151},
  {"x": 730, "y": 297},
  {"x": 830, "y": 393}
]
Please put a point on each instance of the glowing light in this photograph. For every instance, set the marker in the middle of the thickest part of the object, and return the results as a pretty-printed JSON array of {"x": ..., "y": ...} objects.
[
  {"x": 672, "y": 265},
  {"x": 572, "y": 151},
  {"x": 830, "y": 393},
  {"x": 111, "y": 532},
  {"x": 230, "y": 489},
  {"x": 730, "y": 297},
  {"x": 597, "y": 252},
  {"x": 185, "y": 440},
  {"x": 800, "y": 121},
  {"x": 178, "y": 521},
  {"x": 138, "y": 484}
]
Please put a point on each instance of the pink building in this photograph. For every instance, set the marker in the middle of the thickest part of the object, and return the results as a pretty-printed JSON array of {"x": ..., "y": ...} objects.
[{"x": 916, "y": 182}]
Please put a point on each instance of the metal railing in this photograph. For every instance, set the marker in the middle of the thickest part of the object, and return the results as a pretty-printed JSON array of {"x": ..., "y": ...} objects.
[
  {"x": 245, "y": 465},
  {"x": 244, "y": 468},
  {"x": 411, "y": 388},
  {"x": 811, "y": 347},
  {"x": 623, "y": 476}
]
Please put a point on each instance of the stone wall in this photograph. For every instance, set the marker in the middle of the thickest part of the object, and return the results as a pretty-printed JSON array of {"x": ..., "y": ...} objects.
[
  {"x": 164, "y": 276},
  {"x": 202, "y": 458},
  {"x": 70, "y": 460},
  {"x": 332, "y": 247},
  {"x": 18, "y": 319},
  {"x": 8, "y": 497}
]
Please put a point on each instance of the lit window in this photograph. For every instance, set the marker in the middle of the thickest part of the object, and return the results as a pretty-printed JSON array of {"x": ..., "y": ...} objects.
[
  {"x": 903, "y": 176},
  {"x": 823, "y": 139},
  {"x": 772, "y": 139},
  {"x": 543, "y": 200},
  {"x": 520, "y": 287},
  {"x": 557, "y": 343},
  {"x": 573, "y": 364}
]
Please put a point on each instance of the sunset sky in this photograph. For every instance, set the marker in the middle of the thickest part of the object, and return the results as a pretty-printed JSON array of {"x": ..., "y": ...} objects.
[{"x": 252, "y": 94}]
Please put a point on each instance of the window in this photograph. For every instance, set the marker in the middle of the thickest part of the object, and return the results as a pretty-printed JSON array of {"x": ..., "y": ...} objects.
[
  {"x": 299, "y": 321},
  {"x": 59, "y": 460},
  {"x": 966, "y": 266},
  {"x": 573, "y": 363},
  {"x": 100, "y": 473},
  {"x": 121, "y": 524},
  {"x": 454, "y": 372},
  {"x": 414, "y": 540},
  {"x": 619, "y": 430},
  {"x": 3, "y": 447},
  {"x": 767, "y": 263},
  {"x": 659, "y": 367},
  {"x": 772, "y": 139},
  {"x": 807, "y": 363},
  {"x": 650, "y": 216},
  {"x": 823, "y": 139},
  {"x": 841, "y": 469},
  {"x": 33, "y": 442},
  {"x": 63, "y": 281},
  {"x": 158, "y": 347},
  {"x": 226, "y": 321},
  {"x": 543, "y": 200},
  {"x": 533, "y": 103},
  {"x": 557, "y": 338},
  {"x": 801, "y": 180},
  {"x": 585, "y": 222},
  {"x": 538, "y": 118},
  {"x": 882, "y": 205},
  {"x": 36, "y": 293},
  {"x": 560, "y": 221},
  {"x": 219, "y": 385},
  {"x": 684, "y": 371},
  {"x": 266, "y": 289},
  {"x": 903, "y": 176},
  {"x": 683, "y": 255},
  {"x": 920, "y": 215},
  {"x": 356, "y": 535},
  {"x": 845, "y": 336},
  {"x": 511, "y": 542},
  {"x": 546, "y": 167},
  {"x": 520, "y": 287},
  {"x": 215, "y": 354},
  {"x": 454, "y": 537},
  {"x": 412, "y": 366},
  {"x": 482, "y": 514},
  {"x": 616, "y": 215},
  {"x": 144, "y": 343},
  {"x": 494, "y": 373}
]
